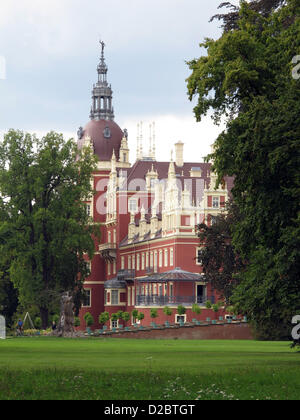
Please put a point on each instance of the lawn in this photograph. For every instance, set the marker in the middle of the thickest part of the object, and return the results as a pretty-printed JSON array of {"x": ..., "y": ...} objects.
[{"x": 119, "y": 369}]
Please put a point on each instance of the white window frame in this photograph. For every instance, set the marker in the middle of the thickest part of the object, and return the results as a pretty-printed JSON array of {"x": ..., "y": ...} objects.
[
  {"x": 114, "y": 293},
  {"x": 133, "y": 205},
  {"x": 215, "y": 202},
  {"x": 177, "y": 316}
]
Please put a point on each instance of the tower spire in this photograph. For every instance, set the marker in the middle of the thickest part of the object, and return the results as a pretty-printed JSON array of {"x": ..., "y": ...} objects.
[{"x": 102, "y": 108}]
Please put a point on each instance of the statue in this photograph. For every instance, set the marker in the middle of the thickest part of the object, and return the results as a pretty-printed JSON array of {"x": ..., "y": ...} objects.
[
  {"x": 80, "y": 133},
  {"x": 125, "y": 132},
  {"x": 66, "y": 322}
]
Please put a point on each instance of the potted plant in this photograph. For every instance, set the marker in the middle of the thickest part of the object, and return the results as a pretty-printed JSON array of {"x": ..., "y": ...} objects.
[
  {"x": 89, "y": 321},
  {"x": 134, "y": 314},
  {"x": 181, "y": 310},
  {"x": 153, "y": 315},
  {"x": 197, "y": 310},
  {"x": 167, "y": 311},
  {"x": 126, "y": 316},
  {"x": 103, "y": 318}
]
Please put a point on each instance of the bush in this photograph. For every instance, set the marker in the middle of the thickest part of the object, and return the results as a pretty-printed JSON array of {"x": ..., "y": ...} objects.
[
  {"x": 196, "y": 308},
  {"x": 114, "y": 317},
  {"x": 89, "y": 320},
  {"x": 181, "y": 310},
  {"x": 38, "y": 323},
  {"x": 140, "y": 316},
  {"x": 120, "y": 314},
  {"x": 215, "y": 308},
  {"x": 76, "y": 321},
  {"x": 208, "y": 304},
  {"x": 135, "y": 313},
  {"x": 126, "y": 316},
  {"x": 103, "y": 317},
  {"x": 167, "y": 311},
  {"x": 153, "y": 313}
]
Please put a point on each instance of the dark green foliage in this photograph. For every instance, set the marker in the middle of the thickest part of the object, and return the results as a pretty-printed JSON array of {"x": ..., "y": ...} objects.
[
  {"x": 103, "y": 317},
  {"x": 153, "y": 313},
  {"x": 181, "y": 310},
  {"x": 88, "y": 318},
  {"x": 44, "y": 228},
  {"x": 220, "y": 262},
  {"x": 246, "y": 78}
]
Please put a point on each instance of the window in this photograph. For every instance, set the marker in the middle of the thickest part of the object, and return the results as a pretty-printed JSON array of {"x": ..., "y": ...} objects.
[
  {"x": 215, "y": 202},
  {"x": 171, "y": 256},
  {"x": 155, "y": 260},
  {"x": 143, "y": 261},
  {"x": 152, "y": 182},
  {"x": 122, "y": 263},
  {"x": 160, "y": 258},
  {"x": 138, "y": 262},
  {"x": 129, "y": 296},
  {"x": 88, "y": 209},
  {"x": 151, "y": 259},
  {"x": 166, "y": 258},
  {"x": 180, "y": 318},
  {"x": 114, "y": 324},
  {"x": 133, "y": 205},
  {"x": 129, "y": 262},
  {"x": 87, "y": 298},
  {"x": 171, "y": 290},
  {"x": 114, "y": 297},
  {"x": 213, "y": 220},
  {"x": 133, "y": 262}
]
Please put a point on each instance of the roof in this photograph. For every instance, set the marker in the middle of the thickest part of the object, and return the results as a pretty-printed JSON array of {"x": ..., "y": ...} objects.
[
  {"x": 174, "y": 275},
  {"x": 106, "y": 136}
]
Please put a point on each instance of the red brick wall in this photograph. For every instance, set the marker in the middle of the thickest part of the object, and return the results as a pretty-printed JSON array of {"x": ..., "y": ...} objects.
[{"x": 238, "y": 331}]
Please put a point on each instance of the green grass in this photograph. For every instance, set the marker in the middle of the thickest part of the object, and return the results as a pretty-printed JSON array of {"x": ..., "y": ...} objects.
[{"x": 108, "y": 369}]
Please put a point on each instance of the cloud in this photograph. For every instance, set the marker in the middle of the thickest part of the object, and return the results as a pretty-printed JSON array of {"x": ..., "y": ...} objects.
[{"x": 197, "y": 137}]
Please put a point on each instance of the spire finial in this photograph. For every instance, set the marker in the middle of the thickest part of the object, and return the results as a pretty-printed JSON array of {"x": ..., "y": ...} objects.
[{"x": 102, "y": 49}]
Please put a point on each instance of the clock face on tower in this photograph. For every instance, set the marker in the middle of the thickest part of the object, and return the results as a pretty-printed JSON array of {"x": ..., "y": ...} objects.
[{"x": 107, "y": 133}]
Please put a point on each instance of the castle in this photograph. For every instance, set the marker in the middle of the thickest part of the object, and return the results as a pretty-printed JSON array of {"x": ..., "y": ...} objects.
[{"x": 147, "y": 213}]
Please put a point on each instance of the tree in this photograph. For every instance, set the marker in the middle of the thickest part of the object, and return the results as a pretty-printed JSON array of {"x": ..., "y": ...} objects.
[
  {"x": 153, "y": 313},
  {"x": 221, "y": 263},
  {"x": 126, "y": 316},
  {"x": 196, "y": 309},
  {"x": 104, "y": 317},
  {"x": 88, "y": 318},
  {"x": 44, "y": 226},
  {"x": 181, "y": 310},
  {"x": 167, "y": 311},
  {"x": 141, "y": 316},
  {"x": 247, "y": 80},
  {"x": 231, "y": 19}
]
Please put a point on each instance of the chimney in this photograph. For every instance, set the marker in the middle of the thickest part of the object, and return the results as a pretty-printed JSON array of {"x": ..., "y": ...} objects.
[{"x": 179, "y": 153}]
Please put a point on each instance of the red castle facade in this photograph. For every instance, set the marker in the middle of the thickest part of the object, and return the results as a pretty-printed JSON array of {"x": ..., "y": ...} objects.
[{"x": 147, "y": 213}]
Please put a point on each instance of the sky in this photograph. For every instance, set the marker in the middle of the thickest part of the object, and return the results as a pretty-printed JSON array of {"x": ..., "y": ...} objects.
[{"x": 49, "y": 52}]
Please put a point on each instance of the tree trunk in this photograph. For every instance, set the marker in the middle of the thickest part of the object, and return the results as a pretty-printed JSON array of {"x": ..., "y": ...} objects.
[{"x": 44, "y": 317}]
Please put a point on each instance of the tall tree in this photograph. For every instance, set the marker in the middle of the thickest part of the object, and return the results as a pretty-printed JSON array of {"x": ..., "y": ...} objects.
[
  {"x": 246, "y": 80},
  {"x": 46, "y": 230},
  {"x": 220, "y": 262}
]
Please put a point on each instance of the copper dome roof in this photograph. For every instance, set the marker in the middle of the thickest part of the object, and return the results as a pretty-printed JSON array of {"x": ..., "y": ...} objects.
[{"x": 106, "y": 137}]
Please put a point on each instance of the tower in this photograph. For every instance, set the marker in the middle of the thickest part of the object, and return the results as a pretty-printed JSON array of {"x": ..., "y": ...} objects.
[{"x": 102, "y": 108}]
